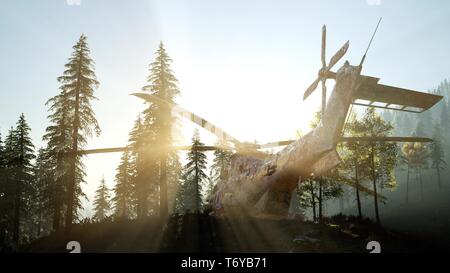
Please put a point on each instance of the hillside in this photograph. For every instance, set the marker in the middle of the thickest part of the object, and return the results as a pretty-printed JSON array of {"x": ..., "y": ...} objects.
[{"x": 207, "y": 234}]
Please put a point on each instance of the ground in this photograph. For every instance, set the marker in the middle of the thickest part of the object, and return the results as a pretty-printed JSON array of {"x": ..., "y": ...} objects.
[{"x": 209, "y": 234}]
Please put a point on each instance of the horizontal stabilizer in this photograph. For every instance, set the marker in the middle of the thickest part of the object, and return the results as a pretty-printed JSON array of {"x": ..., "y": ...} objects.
[{"x": 388, "y": 97}]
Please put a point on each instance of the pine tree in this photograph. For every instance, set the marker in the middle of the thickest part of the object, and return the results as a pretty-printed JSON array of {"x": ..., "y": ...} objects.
[
  {"x": 102, "y": 201},
  {"x": 405, "y": 159},
  {"x": 7, "y": 190},
  {"x": 194, "y": 175},
  {"x": 444, "y": 120},
  {"x": 437, "y": 153},
  {"x": 220, "y": 163},
  {"x": 158, "y": 119},
  {"x": 78, "y": 83},
  {"x": 2, "y": 156},
  {"x": 123, "y": 191},
  {"x": 174, "y": 169},
  {"x": 58, "y": 138},
  {"x": 2, "y": 166},
  {"x": 44, "y": 180},
  {"x": 420, "y": 129},
  {"x": 22, "y": 173},
  {"x": 416, "y": 155},
  {"x": 3, "y": 194},
  {"x": 144, "y": 167}
]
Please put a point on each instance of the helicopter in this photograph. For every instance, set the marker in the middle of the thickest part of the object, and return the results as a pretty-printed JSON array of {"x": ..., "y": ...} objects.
[{"x": 261, "y": 183}]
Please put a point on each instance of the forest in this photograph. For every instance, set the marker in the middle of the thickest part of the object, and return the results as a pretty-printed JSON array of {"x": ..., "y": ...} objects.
[{"x": 41, "y": 193}]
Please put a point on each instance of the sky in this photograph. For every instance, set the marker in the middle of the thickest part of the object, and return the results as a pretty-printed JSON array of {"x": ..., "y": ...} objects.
[{"x": 243, "y": 65}]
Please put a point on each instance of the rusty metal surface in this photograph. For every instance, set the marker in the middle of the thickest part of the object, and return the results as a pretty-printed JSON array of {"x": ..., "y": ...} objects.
[{"x": 250, "y": 178}]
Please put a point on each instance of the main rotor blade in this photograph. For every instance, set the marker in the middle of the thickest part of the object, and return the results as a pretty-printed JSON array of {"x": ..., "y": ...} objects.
[
  {"x": 201, "y": 148},
  {"x": 360, "y": 187},
  {"x": 275, "y": 144},
  {"x": 324, "y": 99},
  {"x": 102, "y": 151},
  {"x": 311, "y": 89},
  {"x": 324, "y": 44},
  {"x": 341, "y": 52},
  {"x": 385, "y": 139},
  {"x": 152, "y": 148},
  {"x": 178, "y": 110}
]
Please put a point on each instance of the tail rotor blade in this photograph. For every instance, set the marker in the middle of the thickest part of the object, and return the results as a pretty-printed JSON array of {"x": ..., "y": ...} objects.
[
  {"x": 324, "y": 44},
  {"x": 341, "y": 52},
  {"x": 311, "y": 89}
]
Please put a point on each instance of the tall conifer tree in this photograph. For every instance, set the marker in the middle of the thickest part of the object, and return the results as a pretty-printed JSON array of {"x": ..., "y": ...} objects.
[
  {"x": 78, "y": 84},
  {"x": 159, "y": 121}
]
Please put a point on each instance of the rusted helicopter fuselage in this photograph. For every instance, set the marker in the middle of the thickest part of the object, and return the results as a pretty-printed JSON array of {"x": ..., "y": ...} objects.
[{"x": 258, "y": 183}]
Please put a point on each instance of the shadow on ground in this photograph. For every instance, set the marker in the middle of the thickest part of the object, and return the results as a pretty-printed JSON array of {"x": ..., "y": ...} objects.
[{"x": 209, "y": 234}]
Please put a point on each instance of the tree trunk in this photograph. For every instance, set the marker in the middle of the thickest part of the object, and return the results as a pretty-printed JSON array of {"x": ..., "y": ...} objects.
[
  {"x": 18, "y": 193},
  {"x": 438, "y": 171},
  {"x": 320, "y": 200},
  {"x": 39, "y": 225},
  {"x": 358, "y": 199},
  {"x": 374, "y": 179},
  {"x": 58, "y": 184},
  {"x": 16, "y": 226},
  {"x": 125, "y": 179},
  {"x": 313, "y": 201},
  {"x": 407, "y": 185},
  {"x": 139, "y": 184},
  {"x": 197, "y": 190},
  {"x": 163, "y": 205},
  {"x": 421, "y": 184},
  {"x": 341, "y": 204}
]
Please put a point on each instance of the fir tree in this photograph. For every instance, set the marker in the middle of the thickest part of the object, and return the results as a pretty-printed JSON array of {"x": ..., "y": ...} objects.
[
  {"x": 44, "y": 180},
  {"x": 2, "y": 156},
  {"x": 7, "y": 190},
  {"x": 444, "y": 119},
  {"x": 194, "y": 175},
  {"x": 123, "y": 191},
  {"x": 416, "y": 156},
  {"x": 58, "y": 136},
  {"x": 102, "y": 201},
  {"x": 220, "y": 163},
  {"x": 159, "y": 121},
  {"x": 3, "y": 194},
  {"x": 22, "y": 174},
  {"x": 174, "y": 169},
  {"x": 144, "y": 167},
  {"x": 78, "y": 83}
]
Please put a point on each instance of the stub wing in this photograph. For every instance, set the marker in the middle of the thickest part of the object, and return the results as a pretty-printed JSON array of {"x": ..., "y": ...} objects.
[{"x": 372, "y": 94}]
